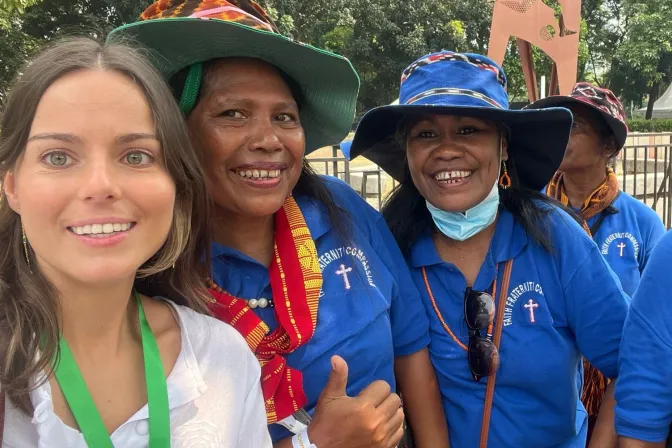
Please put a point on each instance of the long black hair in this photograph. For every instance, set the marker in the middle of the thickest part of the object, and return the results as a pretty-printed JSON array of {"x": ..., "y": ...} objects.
[{"x": 406, "y": 214}]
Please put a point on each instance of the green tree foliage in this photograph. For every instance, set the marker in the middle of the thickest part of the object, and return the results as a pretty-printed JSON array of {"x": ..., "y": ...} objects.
[
  {"x": 18, "y": 5},
  {"x": 25, "y": 25},
  {"x": 15, "y": 46},
  {"x": 625, "y": 44},
  {"x": 646, "y": 50},
  {"x": 629, "y": 45}
]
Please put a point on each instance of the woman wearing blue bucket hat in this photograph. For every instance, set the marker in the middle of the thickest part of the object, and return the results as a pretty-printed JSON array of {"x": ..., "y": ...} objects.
[
  {"x": 516, "y": 292},
  {"x": 303, "y": 267}
]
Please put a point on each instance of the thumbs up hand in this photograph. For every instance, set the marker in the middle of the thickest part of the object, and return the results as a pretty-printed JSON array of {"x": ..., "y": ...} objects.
[{"x": 372, "y": 419}]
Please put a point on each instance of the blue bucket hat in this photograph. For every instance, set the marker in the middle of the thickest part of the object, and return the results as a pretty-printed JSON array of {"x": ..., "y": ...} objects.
[{"x": 466, "y": 85}]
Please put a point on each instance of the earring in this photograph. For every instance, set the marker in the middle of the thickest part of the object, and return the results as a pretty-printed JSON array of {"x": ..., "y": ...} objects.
[
  {"x": 504, "y": 179},
  {"x": 25, "y": 247}
]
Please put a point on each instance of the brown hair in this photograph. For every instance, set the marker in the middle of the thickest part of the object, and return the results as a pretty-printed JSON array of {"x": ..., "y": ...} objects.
[{"x": 29, "y": 309}]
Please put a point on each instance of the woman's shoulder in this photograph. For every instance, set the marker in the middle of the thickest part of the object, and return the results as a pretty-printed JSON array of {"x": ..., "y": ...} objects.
[
  {"x": 662, "y": 252},
  {"x": 642, "y": 213},
  {"x": 562, "y": 225},
  {"x": 209, "y": 335}
]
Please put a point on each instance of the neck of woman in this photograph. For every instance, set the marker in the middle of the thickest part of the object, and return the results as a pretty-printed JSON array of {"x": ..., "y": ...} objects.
[
  {"x": 98, "y": 321},
  {"x": 467, "y": 255},
  {"x": 580, "y": 184},
  {"x": 253, "y": 236}
]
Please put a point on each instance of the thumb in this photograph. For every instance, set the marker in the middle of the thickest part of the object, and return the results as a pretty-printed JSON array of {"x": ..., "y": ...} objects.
[{"x": 338, "y": 379}]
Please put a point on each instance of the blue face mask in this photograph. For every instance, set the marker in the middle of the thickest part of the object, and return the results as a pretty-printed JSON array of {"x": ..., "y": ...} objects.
[{"x": 462, "y": 226}]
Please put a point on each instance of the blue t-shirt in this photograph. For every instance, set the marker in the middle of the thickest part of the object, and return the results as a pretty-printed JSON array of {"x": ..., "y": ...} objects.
[
  {"x": 559, "y": 306},
  {"x": 626, "y": 238},
  {"x": 369, "y": 310},
  {"x": 644, "y": 385}
]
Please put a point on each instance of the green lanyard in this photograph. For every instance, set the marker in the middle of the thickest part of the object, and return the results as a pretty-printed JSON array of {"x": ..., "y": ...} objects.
[{"x": 84, "y": 410}]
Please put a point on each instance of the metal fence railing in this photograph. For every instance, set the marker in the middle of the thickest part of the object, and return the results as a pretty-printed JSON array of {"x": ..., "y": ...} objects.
[
  {"x": 643, "y": 167},
  {"x": 366, "y": 178}
]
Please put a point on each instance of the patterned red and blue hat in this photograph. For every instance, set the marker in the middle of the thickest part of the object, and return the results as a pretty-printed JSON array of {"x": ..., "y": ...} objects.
[
  {"x": 602, "y": 100},
  {"x": 468, "y": 85}
]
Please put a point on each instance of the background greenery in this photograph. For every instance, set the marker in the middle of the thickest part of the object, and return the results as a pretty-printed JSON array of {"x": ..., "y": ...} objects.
[{"x": 626, "y": 45}]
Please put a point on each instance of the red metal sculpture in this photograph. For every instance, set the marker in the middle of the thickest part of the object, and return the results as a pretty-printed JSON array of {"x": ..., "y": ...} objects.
[{"x": 534, "y": 22}]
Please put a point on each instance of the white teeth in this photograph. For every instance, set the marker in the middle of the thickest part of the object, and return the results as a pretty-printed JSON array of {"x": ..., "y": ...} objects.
[
  {"x": 101, "y": 229},
  {"x": 452, "y": 175},
  {"x": 259, "y": 174}
]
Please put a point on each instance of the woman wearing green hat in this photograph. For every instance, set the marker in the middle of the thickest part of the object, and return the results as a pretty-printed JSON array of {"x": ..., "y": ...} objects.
[{"x": 303, "y": 268}]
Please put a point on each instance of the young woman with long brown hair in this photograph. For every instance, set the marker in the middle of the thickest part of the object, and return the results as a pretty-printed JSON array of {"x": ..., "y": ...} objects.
[{"x": 103, "y": 206}]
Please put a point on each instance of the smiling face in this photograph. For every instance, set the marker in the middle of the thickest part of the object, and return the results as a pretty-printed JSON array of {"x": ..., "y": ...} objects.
[
  {"x": 454, "y": 161},
  {"x": 252, "y": 144},
  {"x": 95, "y": 200}
]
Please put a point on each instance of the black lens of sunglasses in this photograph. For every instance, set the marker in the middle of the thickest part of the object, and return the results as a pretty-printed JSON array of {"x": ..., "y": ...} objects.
[
  {"x": 483, "y": 356},
  {"x": 479, "y": 309}
]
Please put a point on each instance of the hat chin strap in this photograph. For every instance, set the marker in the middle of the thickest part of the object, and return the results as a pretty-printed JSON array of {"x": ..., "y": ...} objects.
[{"x": 191, "y": 87}]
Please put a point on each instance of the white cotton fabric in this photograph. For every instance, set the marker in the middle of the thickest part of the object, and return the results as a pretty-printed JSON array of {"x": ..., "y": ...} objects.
[{"x": 214, "y": 395}]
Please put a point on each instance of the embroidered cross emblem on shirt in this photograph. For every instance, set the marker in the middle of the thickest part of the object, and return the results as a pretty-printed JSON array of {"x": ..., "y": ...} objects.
[
  {"x": 531, "y": 305},
  {"x": 344, "y": 272},
  {"x": 621, "y": 247}
]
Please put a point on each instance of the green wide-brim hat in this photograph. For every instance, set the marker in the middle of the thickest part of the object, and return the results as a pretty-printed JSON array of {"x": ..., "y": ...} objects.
[{"x": 328, "y": 82}]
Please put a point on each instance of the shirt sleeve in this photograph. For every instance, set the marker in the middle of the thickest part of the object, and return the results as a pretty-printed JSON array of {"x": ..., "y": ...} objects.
[
  {"x": 644, "y": 385},
  {"x": 655, "y": 233},
  {"x": 596, "y": 310},
  {"x": 410, "y": 326},
  {"x": 253, "y": 430}
]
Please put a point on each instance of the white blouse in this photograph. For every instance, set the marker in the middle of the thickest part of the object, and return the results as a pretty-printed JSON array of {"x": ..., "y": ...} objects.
[{"x": 214, "y": 395}]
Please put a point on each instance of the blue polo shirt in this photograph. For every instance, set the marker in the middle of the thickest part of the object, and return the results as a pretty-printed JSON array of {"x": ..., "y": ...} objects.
[
  {"x": 626, "y": 238},
  {"x": 644, "y": 385},
  {"x": 559, "y": 306},
  {"x": 368, "y": 314}
]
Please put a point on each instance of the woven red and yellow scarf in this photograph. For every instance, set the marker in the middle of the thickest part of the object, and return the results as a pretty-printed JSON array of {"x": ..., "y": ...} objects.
[
  {"x": 594, "y": 383},
  {"x": 296, "y": 281}
]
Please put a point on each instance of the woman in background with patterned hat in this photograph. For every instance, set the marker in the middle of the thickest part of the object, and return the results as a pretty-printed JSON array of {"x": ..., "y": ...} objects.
[
  {"x": 624, "y": 228},
  {"x": 515, "y": 291},
  {"x": 302, "y": 266}
]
